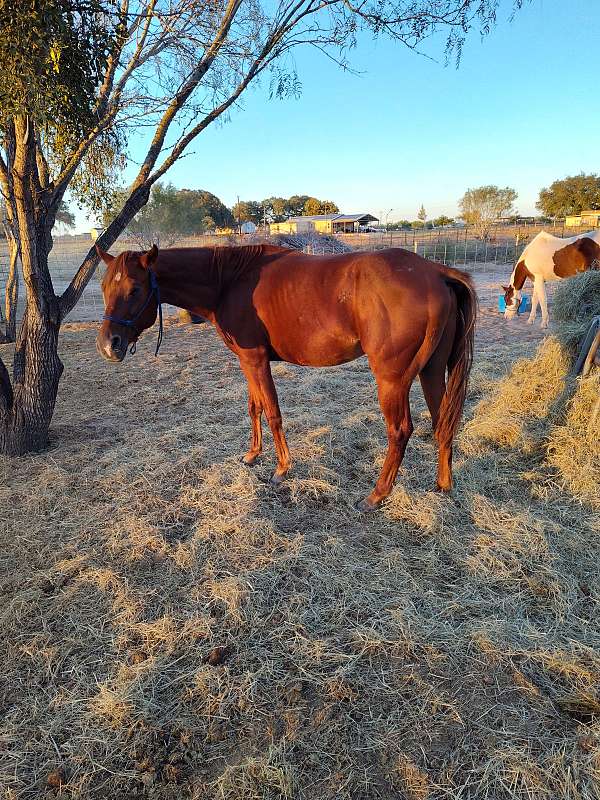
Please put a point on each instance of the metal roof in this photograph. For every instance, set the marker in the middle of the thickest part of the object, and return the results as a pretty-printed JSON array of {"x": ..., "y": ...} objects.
[{"x": 333, "y": 217}]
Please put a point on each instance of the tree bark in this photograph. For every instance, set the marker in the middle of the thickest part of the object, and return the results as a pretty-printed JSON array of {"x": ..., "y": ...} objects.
[
  {"x": 25, "y": 420},
  {"x": 27, "y": 405},
  {"x": 11, "y": 294}
]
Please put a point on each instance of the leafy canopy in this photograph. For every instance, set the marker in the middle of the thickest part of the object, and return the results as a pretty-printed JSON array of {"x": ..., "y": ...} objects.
[
  {"x": 571, "y": 195},
  {"x": 482, "y": 206},
  {"x": 53, "y": 54},
  {"x": 172, "y": 213}
]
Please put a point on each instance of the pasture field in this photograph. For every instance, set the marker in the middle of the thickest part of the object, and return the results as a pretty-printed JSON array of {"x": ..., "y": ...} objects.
[{"x": 174, "y": 627}]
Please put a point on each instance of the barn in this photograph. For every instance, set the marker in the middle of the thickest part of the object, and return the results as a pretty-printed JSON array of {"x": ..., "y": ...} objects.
[
  {"x": 588, "y": 219},
  {"x": 324, "y": 223}
]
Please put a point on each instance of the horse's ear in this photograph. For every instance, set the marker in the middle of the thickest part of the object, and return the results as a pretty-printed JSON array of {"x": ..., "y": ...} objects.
[
  {"x": 506, "y": 288},
  {"x": 106, "y": 257},
  {"x": 148, "y": 259}
]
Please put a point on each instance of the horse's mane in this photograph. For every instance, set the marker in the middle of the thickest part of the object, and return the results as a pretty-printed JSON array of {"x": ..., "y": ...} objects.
[{"x": 237, "y": 259}]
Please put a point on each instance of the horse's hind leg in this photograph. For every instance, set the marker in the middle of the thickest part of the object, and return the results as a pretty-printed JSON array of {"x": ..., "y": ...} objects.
[
  {"x": 433, "y": 383},
  {"x": 393, "y": 398}
]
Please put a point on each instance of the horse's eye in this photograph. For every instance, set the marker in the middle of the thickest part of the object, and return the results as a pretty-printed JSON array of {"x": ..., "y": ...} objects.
[{"x": 134, "y": 292}]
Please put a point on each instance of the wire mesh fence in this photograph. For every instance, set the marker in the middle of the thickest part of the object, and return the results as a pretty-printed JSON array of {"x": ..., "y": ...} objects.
[{"x": 490, "y": 261}]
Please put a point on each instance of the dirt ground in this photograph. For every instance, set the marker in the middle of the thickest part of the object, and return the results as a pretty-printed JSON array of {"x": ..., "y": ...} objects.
[{"x": 174, "y": 627}]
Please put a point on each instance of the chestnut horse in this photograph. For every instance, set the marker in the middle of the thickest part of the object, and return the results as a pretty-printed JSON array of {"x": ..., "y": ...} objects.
[{"x": 409, "y": 316}]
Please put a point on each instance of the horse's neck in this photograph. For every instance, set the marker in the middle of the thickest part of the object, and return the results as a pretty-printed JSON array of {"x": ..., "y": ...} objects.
[
  {"x": 189, "y": 280},
  {"x": 196, "y": 279}
]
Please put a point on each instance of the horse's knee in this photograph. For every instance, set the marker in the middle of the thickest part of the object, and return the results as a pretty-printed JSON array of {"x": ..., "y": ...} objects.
[{"x": 401, "y": 432}]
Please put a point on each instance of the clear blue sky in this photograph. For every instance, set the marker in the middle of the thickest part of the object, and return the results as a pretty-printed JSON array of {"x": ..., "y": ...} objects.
[{"x": 521, "y": 110}]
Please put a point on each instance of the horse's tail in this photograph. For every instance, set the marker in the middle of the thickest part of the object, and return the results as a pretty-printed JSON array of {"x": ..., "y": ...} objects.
[{"x": 461, "y": 355}]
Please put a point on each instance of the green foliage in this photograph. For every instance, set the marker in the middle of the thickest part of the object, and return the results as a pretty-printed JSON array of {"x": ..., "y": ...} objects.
[
  {"x": 64, "y": 216},
  {"x": 171, "y": 213},
  {"x": 248, "y": 211},
  {"x": 422, "y": 215},
  {"x": 52, "y": 56},
  {"x": 571, "y": 195},
  {"x": 417, "y": 223},
  {"x": 313, "y": 207},
  {"x": 481, "y": 207},
  {"x": 442, "y": 220},
  {"x": 93, "y": 185}
]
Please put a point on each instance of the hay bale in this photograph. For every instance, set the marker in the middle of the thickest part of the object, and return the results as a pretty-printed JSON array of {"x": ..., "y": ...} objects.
[
  {"x": 574, "y": 447},
  {"x": 576, "y": 301},
  {"x": 511, "y": 414}
]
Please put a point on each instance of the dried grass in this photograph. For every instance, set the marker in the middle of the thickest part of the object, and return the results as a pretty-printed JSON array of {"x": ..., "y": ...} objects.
[
  {"x": 173, "y": 627},
  {"x": 574, "y": 447},
  {"x": 509, "y": 416},
  {"x": 576, "y": 301}
]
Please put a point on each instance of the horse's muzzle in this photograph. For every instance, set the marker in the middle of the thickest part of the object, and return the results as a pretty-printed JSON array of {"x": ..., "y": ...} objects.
[{"x": 111, "y": 350}]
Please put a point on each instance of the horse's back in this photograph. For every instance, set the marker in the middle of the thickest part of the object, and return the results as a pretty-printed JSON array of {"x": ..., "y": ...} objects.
[{"x": 323, "y": 310}]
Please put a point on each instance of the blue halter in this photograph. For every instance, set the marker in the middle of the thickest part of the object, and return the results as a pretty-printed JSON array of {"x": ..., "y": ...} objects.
[{"x": 130, "y": 323}]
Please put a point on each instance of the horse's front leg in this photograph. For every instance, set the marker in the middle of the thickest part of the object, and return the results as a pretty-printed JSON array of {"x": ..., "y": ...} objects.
[
  {"x": 255, "y": 413},
  {"x": 262, "y": 387}
]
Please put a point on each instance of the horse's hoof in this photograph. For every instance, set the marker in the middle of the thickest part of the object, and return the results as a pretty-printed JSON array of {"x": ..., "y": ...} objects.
[
  {"x": 443, "y": 489},
  {"x": 366, "y": 506},
  {"x": 276, "y": 479},
  {"x": 249, "y": 460},
  {"x": 530, "y": 321}
]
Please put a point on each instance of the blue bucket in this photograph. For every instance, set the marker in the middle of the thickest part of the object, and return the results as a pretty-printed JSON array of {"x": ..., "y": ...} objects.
[{"x": 523, "y": 307}]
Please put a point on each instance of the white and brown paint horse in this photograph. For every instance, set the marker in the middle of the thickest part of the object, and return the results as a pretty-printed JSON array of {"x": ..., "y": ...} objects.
[{"x": 549, "y": 258}]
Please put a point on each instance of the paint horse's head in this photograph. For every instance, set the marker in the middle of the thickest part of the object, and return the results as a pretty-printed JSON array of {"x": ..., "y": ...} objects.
[
  {"x": 130, "y": 301},
  {"x": 512, "y": 300}
]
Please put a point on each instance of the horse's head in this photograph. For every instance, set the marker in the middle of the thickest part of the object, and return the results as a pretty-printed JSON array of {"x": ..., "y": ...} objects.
[
  {"x": 130, "y": 301},
  {"x": 512, "y": 300}
]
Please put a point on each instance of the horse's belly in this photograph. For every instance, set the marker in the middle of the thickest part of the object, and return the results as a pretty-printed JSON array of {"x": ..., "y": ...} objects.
[{"x": 316, "y": 351}]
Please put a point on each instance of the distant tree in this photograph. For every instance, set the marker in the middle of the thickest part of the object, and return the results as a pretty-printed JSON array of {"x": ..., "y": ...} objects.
[
  {"x": 481, "y": 207},
  {"x": 571, "y": 195},
  {"x": 64, "y": 216},
  {"x": 417, "y": 223},
  {"x": 174, "y": 213},
  {"x": 247, "y": 211},
  {"x": 422, "y": 215},
  {"x": 294, "y": 205},
  {"x": 442, "y": 220},
  {"x": 329, "y": 207},
  {"x": 278, "y": 209},
  {"x": 314, "y": 206}
]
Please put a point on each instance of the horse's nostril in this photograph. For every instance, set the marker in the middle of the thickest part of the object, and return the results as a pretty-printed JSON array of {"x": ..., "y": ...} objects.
[{"x": 115, "y": 342}]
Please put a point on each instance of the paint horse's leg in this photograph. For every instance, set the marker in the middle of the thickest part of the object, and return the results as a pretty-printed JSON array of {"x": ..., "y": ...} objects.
[
  {"x": 262, "y": 389},
  {"x": 534, "y": 305},
  {"x": 540, "y": 290},
  {"x": 393, "y": 398}
]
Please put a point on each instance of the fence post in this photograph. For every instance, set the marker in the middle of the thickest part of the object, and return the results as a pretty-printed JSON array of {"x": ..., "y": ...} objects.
[{"x": 416, "y": 245}]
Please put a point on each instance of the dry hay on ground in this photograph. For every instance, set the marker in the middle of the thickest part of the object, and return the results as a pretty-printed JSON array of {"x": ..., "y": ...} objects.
[
  {"x": 173, "y": 627},
  {"x": 574, "y": 445},
  {"x": 576, "y": 301},
  {"x": 541, "y": 413}
]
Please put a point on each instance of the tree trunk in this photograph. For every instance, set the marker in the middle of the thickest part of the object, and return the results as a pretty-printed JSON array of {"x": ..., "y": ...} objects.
[
  {"x": 27, "y": 410},
  {"x": 11, "y": 295}
]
